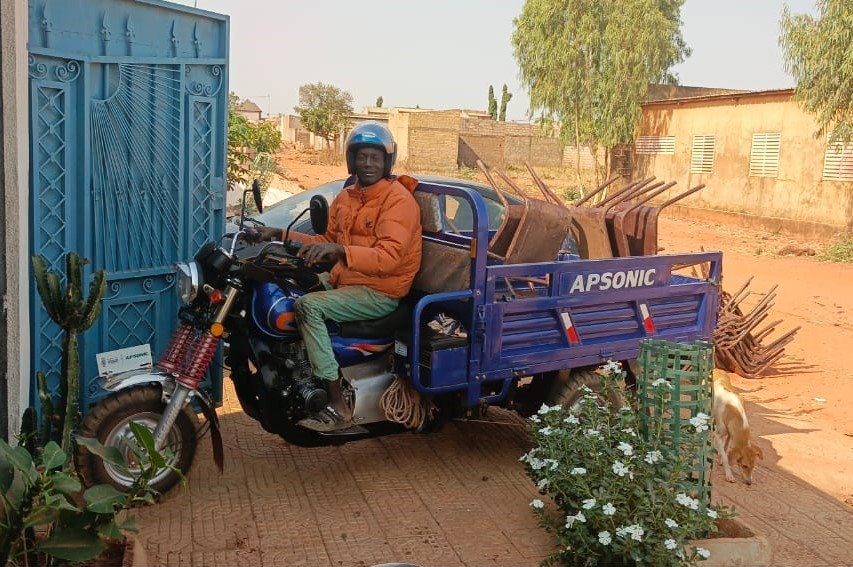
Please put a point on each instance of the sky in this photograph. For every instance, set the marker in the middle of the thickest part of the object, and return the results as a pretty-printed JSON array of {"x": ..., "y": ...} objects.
[{"x": 445, "y": 53}]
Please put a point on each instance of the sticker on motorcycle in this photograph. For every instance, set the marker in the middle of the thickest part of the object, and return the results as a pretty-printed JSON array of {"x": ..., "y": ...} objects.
[{"x": 124, "y": 360}]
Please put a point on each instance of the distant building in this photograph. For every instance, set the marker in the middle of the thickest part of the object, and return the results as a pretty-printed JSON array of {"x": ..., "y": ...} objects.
[
  {"x": 249, "y": 110},
  {"x": 757, "y": 154}
]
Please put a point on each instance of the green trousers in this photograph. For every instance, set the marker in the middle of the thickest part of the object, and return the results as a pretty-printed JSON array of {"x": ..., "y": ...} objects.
[{"x": 352, "y": 303}]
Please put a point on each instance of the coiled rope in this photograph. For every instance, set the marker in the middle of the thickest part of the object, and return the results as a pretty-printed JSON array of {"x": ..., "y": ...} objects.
[{"x": 405, "y": 405}]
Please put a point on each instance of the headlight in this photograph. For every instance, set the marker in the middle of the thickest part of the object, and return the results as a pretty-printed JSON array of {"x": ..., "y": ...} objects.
[{"x": 188, "y": 281}]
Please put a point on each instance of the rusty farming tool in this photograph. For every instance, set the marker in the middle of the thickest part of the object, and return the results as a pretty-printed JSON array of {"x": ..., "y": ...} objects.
[
  {"x": 621, "y": 244},
  {"x": 641, "y": 227},
  {"x": 738, "y": 345}
]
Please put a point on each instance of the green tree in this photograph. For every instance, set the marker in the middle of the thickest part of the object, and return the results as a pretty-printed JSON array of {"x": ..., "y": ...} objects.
[
  {"x": 493, "y": 103},
  {"x": 379, "y": 102},
  {"x": 819, "y": 54},
  {"x": 506, "y": 96},
  {"x": 246, "y": 140},
  {"x": 587, "y": 64},
  {"x": 324, "y": 110}
]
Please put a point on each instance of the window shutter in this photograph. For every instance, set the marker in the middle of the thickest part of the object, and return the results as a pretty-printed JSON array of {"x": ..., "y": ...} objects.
[
  {"x": 764, "y": 155},
  {"x": 838, "y": 162},
  {"x": 660, "y": 145},
  {"x": 702, "y": 156}
]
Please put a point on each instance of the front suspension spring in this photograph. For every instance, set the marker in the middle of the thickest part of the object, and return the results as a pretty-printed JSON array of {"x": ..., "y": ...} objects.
[
  {"x": 198, "y": 360},
  {"x": 173, "y": 358}
]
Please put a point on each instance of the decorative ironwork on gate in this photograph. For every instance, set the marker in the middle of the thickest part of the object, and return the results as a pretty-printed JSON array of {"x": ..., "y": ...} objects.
[{"x": 128, "y": 110}]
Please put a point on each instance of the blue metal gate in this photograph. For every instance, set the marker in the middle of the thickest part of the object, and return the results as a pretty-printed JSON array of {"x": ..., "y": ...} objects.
[{"x": 128, "y": 110}]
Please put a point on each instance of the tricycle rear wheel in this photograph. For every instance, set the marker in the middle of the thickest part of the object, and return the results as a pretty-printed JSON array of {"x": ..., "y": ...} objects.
[{"x": 567, "y": 390}]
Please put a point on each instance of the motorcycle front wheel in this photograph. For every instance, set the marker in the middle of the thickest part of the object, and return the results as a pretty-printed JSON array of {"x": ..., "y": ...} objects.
[{"x": 108, "y": 422}]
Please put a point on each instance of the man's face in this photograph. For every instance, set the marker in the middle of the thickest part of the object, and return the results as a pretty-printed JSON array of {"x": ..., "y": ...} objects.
[{"x": 369, "y": 165}]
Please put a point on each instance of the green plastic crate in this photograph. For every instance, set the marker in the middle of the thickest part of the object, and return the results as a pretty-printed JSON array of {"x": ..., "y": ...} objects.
[{"x": 689, "y": 369}]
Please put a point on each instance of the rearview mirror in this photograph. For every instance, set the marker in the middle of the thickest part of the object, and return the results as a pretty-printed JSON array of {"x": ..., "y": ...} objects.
[
  {"x": 256, "y": 194},
  {"x": 319, "y": 214}
]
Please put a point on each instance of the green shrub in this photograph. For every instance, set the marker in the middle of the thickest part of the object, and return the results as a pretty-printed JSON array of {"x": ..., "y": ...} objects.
[
  {"x": 45, "y": 513},
  {"x": 619, "y": 497},
  {"x": 840, "y": 250}
]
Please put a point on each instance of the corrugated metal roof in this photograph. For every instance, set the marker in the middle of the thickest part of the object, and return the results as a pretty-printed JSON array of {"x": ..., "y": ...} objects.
[{"x": 720, "y": 97}]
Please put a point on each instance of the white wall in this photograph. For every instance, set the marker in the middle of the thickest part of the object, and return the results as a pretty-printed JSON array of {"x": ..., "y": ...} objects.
[{"x": 13, "y": 18}]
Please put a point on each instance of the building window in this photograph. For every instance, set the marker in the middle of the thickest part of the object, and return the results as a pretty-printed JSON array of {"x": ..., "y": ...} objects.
[
  {"x": 764, "y": 155},
  {"x": 702, "y": 157},
  {"x": 838, "y": 162},
  {"x": 660, "y": 145}
]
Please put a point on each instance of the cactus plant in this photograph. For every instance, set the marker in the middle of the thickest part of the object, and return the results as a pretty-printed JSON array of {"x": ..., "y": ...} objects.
[{"x": 74, "y": 315}]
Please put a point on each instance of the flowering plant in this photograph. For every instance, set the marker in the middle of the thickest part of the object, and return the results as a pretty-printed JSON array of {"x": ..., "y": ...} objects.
[{"x": 621, "y": 497}]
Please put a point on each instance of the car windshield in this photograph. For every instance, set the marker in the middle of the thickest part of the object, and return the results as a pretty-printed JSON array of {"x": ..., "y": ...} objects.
[{"x": 458, "y": 211}]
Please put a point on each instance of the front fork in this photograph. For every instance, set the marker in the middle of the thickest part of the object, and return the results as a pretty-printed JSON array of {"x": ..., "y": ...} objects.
[{"x": 187, "y": 359}]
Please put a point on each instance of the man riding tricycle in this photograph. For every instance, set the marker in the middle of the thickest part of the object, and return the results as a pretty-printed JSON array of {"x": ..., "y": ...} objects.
[{"x": 385, "y": 315}]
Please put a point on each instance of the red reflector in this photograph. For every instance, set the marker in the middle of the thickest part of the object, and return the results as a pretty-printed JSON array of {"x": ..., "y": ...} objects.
[
  {"x": 647, "y": 318},
  {"x": 216, "y": 296},
  {"x": 569, "y": 327},
  {"x": 573, "y": 335}
]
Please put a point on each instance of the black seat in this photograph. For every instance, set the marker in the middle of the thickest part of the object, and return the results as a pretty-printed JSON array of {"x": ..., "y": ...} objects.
[{"x": 398, "y": 319}]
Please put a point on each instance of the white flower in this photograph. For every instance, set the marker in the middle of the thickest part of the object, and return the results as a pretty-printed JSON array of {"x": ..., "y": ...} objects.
[
  {"x": 604, "y": 538},
  {"x": 686, "y": 501},
  {"x": 700, "y": 422},
  {"x": 703, "y": 553},
  {"x": 661, "y": 382},
  {"x": 670, "y": 544},
  {"x": 630, "y": 432},
  {"x": 636, "y": 532},
  {"x": 544, "y": 409},
  {"x": 589, "y": 504},
  {"x": 536, "y": 503},
  {"x": 608, "y": 509},
  {"x": 619, "y": 469},
  {"x": 547, "y": 430},
  {"x": 579, "y": 517},
  {"x": 613, "y": 367},
  {"x": 712, "y": 514},
  {"x": 543, "y": 484},
  {"x": 653, "y": 456},
  {"x": 578, "y": 470},
  {"x": 552, "y": 464},
  {"x": 670, "y": 523},
  {"x": 535, "y": 419},
  {"x": 572, "y": 420},
  {"x": 626, "y": 449},
  {"x": 586, "y": 388},
  {"x": 535, "y": 463},
  {"x": 593, "y": 433}
]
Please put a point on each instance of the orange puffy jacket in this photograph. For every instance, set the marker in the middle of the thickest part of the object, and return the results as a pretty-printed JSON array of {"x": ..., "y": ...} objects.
[{"x": 380, "y": 228}]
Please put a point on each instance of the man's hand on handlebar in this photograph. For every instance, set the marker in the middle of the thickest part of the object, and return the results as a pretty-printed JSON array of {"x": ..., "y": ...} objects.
[
  {"x": 263, "y": 233},
  {"x": 322, "y": 253}
]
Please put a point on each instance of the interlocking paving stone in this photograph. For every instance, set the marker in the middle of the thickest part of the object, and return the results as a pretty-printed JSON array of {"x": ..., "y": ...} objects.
[{"x": 455, "y": 497}]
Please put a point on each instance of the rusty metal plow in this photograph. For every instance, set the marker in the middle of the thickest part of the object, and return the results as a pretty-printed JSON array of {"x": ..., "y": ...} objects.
[{"x": 739, "y": 334}]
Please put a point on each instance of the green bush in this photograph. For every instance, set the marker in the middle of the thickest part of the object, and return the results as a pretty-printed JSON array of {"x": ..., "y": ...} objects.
[
  {"x": 620, "y": 498},
  {"x": 840, "y": 250},
  {"x": 44, "y": 511}
]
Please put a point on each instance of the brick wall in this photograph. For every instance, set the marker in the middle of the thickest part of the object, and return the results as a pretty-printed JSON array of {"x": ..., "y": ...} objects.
[
  {"x": 500, "y": 144},
  {"x": 433, "y": 140}
]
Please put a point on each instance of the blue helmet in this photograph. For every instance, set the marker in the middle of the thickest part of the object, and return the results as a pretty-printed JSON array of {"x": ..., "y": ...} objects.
[{"x": 371, "y": 134}]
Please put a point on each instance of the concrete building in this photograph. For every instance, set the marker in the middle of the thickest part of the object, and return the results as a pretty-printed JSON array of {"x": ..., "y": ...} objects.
[
  {"x": 249, "y": 110},
  {"x": 14, "y": 183},
  {"x": 758, "y": 155}
]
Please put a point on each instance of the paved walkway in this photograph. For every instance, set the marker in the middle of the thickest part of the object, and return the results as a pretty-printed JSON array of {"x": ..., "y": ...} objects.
[{"x": 457, "y": 497}]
